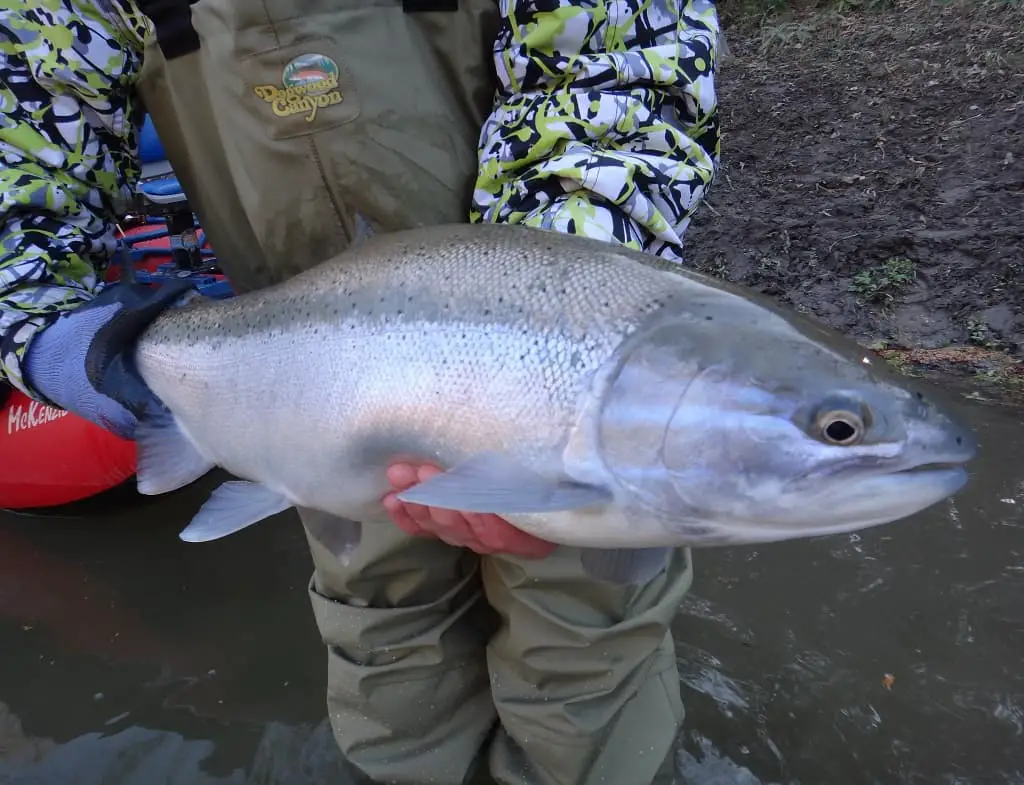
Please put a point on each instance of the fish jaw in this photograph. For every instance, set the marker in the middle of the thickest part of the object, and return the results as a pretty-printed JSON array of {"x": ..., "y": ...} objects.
[{"x": 876, "y": 501}]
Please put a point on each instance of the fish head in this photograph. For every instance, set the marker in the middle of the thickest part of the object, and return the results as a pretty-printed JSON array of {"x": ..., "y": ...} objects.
[{"x": 768, "y": 433}]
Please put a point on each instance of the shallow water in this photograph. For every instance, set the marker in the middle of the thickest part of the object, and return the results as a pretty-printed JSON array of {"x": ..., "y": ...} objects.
[{"x": 895, "y": 655}]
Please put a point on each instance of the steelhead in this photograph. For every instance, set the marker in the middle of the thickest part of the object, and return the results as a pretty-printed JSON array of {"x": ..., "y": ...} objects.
[{"x": 591, "y": 395}]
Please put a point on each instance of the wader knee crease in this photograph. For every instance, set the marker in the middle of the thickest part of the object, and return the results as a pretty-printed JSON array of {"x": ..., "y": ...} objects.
[{"x": 374, "y": 636}]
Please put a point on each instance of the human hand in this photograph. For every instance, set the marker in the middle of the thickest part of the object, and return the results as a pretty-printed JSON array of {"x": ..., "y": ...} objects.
[{"x": 480, "y": 532}]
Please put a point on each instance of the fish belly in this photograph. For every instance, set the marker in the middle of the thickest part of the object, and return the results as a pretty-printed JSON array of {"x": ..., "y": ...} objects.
[{"x": 318, "y": 413}]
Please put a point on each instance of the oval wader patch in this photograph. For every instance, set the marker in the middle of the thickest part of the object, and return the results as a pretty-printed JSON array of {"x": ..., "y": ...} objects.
[{"x": 313, "y": 93}]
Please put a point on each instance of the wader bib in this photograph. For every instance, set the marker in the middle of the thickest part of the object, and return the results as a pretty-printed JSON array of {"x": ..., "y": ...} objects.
[{"x": 287, "y": 122}]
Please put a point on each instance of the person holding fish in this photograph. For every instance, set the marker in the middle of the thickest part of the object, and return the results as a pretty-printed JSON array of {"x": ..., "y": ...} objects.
[{"x": 456, "y": 642}]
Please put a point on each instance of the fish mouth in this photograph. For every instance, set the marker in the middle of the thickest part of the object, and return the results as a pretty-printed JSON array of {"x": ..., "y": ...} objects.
[
  {"x": 944, "y": 477},
  {"x": 884, "y": 495},
  {"x": 881, "y": 497},
  {"x": 876, "y": 468},
  {"x": 897, "y": 493},
  {"x": 950, "y": 471},
  {"x": 936, "y": 466},
  {"x": 947, "y": 478}
]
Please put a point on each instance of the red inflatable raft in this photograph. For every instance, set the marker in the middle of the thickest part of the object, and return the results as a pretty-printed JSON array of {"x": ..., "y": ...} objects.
[{"x": 49, "y": 457}]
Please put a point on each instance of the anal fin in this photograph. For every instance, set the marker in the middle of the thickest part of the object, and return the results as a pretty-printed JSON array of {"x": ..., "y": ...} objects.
[{"x": 235, "y": 505}]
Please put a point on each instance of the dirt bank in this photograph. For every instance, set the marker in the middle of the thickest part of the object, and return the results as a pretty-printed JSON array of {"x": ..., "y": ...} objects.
[{"x": 873, "y": 175}]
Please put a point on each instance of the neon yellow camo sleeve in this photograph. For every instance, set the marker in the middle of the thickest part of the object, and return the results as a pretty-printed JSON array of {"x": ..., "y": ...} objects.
[
  {"x": 606, "y": 120},
  {"x": 68, "y": 136}
]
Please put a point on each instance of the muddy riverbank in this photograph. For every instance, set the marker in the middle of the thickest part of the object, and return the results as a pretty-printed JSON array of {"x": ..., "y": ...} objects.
[{"x": 873, "y": 176}]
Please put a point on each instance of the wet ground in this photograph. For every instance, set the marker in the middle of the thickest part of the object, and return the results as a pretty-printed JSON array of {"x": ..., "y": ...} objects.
[{"x": 892, "y": 656}]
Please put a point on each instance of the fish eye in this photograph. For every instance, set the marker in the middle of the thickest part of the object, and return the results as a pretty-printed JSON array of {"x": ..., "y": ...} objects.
[{"x": 840, "y": 427}]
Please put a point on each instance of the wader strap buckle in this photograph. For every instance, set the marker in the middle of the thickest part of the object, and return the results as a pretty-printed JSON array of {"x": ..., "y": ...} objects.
[{"x": 172, "y": 20}]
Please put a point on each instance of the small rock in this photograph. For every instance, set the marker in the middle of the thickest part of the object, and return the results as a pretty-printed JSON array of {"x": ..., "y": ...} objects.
[{"x": 999, "y": 318}]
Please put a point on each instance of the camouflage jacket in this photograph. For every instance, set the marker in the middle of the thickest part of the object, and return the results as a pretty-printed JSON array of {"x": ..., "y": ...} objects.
[{"x": 632, "y": 169}]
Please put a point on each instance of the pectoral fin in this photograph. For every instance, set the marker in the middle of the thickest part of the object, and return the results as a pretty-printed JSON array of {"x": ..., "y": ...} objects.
[
  {"x": 492, "y": 483},
  {"x": 166, "y": 458},
  {"x": 234, "y": 506},
  {"x": 625, "y": 565}
]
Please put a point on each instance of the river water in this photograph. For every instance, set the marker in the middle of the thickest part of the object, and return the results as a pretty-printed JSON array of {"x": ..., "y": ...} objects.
[{"x": 895, "y": 655}]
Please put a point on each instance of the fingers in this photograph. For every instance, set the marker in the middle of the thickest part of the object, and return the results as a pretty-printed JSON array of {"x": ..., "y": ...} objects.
[
  {"x": 499, "y": 536},
  {"x": 399, "y": 513},
  {"x": 404, "y": 475}
]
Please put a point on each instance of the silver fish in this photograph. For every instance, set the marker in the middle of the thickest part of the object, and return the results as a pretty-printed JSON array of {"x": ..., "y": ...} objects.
[{"x": 591, "y": 395}]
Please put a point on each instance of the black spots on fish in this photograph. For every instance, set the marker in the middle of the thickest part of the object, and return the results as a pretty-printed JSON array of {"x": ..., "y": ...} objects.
[
  {"x": 920, "y": 407},
  {"x": 708, "y": 317}
]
